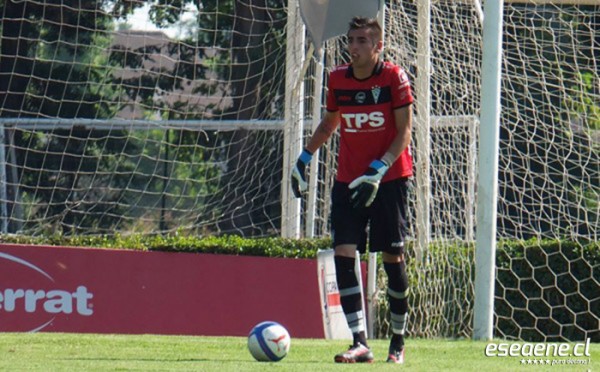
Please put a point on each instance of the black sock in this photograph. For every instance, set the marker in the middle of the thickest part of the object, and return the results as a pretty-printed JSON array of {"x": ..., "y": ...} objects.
[
  {"x": 398, "y": 300},
  {"x": 350, "y": 297},
  {"x": 359, "y": 337},
  {"x": 397, "y": 342}
]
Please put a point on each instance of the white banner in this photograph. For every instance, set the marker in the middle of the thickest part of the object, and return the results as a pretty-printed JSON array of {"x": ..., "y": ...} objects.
[{"x": 334, "y": 320}]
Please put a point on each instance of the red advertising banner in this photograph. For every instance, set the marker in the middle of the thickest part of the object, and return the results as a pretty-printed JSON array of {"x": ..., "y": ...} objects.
[{"x": 83, "y": 290}]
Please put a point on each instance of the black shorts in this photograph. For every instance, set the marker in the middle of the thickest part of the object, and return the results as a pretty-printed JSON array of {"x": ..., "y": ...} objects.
[{"x": 384, "y": 221}]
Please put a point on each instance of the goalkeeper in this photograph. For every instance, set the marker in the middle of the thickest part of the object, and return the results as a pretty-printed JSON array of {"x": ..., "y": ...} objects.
[{"x": 372, "y": 100}]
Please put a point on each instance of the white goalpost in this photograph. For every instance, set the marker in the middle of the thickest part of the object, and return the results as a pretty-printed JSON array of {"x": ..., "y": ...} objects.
[
  {"x": 487, "y": 190},
  {"x": 294, "y": 119}
]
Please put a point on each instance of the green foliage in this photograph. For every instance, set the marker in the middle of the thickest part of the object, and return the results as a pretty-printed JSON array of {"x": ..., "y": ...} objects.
[
  {"x": 60, "y": 68},
  {"x": 583, "y": 103},
  {"x": 225, "y": 49},
  {"x": 441, "y": 291},
  {"x": 546, "y": 290},
  {"x": 227, "y": 244}
]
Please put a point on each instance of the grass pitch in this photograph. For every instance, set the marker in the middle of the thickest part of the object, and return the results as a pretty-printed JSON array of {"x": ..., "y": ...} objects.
[{"x": 90, "y": 352}]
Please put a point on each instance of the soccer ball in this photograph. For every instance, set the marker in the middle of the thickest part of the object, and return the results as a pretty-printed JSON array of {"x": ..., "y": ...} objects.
[{"x": 269, "y": 342}]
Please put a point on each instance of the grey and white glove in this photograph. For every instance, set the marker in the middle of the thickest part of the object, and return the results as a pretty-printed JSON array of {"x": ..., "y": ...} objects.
[{"x": 365, "y": 187}]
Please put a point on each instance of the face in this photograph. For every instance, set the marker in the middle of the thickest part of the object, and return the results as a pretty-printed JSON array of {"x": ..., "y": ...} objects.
[{"x": 363, "y": 48}]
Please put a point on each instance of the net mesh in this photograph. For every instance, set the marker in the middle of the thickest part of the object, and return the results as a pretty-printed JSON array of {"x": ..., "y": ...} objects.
[
  {"x": 546, "y": 288},
  {"x": 139, "y": 117}
]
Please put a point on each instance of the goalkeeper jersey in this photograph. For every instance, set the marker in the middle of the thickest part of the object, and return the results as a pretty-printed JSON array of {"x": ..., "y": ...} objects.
[{"x": 366, "y": 110}]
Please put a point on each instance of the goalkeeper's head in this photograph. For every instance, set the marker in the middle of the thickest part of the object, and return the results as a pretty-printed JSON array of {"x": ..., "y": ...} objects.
[{"x": 371, "y": 24}]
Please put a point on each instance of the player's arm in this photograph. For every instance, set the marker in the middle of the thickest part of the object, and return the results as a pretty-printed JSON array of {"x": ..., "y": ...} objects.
[
  {"x": 327, "y": 126},
  {"x": 365, "y": 187},
  {"x": 403, "y": 121}
]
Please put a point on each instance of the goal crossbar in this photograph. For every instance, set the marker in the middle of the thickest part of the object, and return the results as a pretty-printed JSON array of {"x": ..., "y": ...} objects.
[
  {"x": 110, "y": 124},
  {"x": 217, "y": 125}
]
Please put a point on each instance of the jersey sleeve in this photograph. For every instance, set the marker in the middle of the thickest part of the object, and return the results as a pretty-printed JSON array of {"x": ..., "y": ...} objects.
[{"x": 401, "y": 91}]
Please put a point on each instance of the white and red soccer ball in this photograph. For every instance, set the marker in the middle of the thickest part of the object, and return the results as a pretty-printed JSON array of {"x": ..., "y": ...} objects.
[{"x": 269, "y": 342}]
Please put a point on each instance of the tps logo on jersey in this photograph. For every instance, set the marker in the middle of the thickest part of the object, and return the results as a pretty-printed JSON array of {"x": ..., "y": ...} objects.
[{"x": 363, "y": 122}]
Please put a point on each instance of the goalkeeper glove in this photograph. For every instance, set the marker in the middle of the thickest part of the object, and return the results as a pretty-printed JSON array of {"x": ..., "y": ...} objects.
[
  {"x": 365, "y": 187},
  {"x": 299, "y": 184}
]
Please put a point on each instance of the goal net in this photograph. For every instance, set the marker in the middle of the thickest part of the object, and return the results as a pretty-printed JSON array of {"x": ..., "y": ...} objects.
[
  {"x": 549, "y": 173},
  {"x": 546, "y": 288},
  {"x": 141, "y": 117},
  {"x": 159, "y": 117}
]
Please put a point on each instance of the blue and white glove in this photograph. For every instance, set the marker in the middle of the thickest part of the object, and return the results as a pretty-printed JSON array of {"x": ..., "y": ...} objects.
[
  {"x": 299, "y": 184},
  {"x": 365, "y": 187}
]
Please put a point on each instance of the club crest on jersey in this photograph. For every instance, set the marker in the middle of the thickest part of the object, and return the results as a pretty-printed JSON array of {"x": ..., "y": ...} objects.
[
  {"x": 360, "y": 97},
  {"x": 375, "y": 91}
]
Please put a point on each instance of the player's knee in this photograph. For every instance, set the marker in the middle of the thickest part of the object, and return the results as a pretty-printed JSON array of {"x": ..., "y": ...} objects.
[
  {"x": 392, "y": 258},
  {"x": 397, "y": 279},
  {"x": 345, "y": 250}
]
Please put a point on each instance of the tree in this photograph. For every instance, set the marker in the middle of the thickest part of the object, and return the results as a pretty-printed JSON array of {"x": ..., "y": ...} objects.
[
  {"x": 239, "y": 39},
  {"x": 53, "y": 64}
]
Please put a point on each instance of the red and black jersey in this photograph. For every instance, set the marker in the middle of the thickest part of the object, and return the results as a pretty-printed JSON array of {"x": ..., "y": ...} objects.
[{"x": 366, "y": 110}]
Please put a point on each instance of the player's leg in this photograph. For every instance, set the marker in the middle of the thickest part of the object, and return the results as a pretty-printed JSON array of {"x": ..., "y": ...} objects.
[
  {"x": 350, "y": 291},
  {"x": 348, "y": 234},
  {"x": 397, "y": 293},
  {"x": 388, "y": 229}
]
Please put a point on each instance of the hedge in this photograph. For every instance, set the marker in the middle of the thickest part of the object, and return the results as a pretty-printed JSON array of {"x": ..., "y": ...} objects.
[
  {"x": 548, "y": 290},
  {"x": 229, "y": 244}
]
